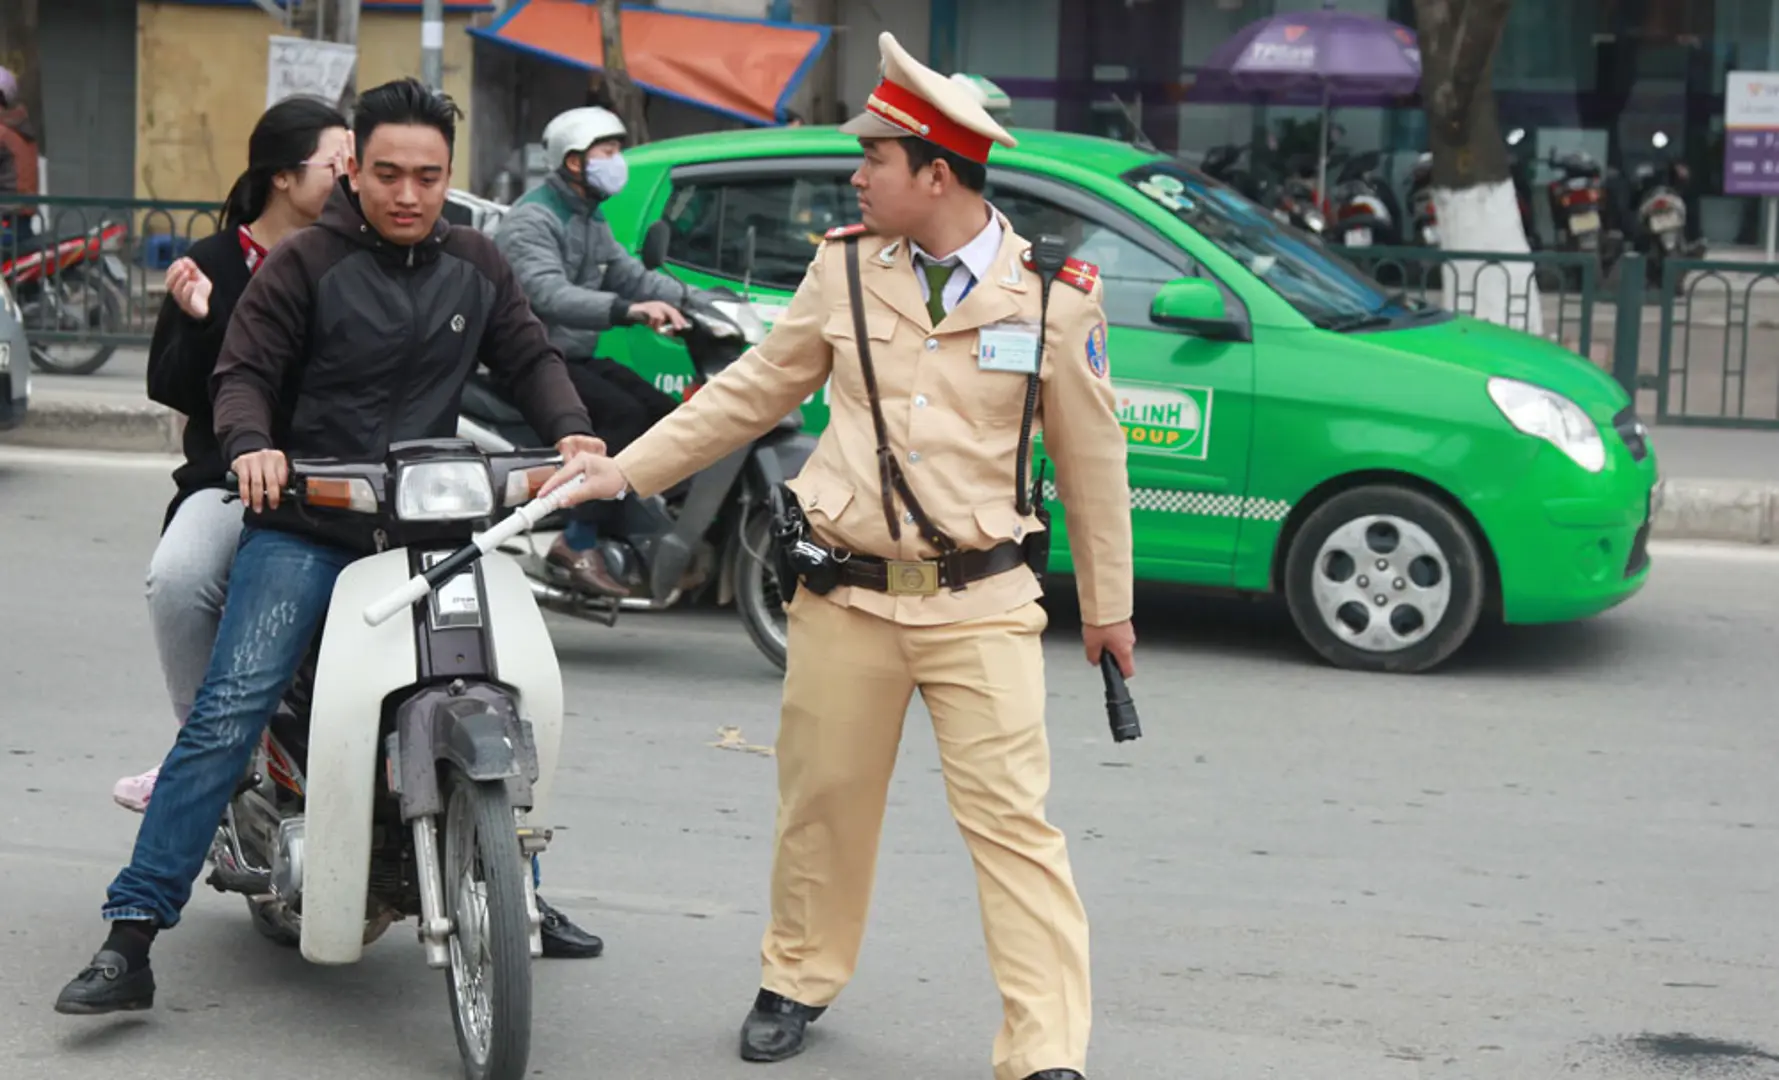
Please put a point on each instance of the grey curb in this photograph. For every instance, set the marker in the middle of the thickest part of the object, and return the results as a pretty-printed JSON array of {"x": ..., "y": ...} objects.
[
  {"x": 1732, "y": 511},
  {"x": 138, "y": 426}
]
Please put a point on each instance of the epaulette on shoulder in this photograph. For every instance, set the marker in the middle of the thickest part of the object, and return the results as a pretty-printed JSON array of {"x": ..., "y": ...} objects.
[
  {"x": 841, "y": 232},
  {"x": 1075, "y": 272},
  {"x": 1082, "y": 275}
]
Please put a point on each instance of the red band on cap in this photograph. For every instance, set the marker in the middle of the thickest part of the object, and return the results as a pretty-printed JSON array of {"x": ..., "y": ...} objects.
[{"x": 918, "y": 116}]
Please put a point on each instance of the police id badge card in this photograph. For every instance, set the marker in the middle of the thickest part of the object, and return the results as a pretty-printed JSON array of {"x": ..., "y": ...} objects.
[{"x": 1012, "y": 346}]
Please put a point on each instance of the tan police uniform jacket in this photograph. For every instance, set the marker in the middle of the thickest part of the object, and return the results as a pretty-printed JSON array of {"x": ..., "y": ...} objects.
[{"x": 953, "y": 426}]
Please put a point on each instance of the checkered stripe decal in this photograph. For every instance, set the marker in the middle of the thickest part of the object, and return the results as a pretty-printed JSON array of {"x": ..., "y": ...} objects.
[{"x": 1199, "y": 503}]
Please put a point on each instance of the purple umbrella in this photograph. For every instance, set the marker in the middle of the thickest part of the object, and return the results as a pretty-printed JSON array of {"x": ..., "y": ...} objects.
[{"x": 1313, "y": 57}]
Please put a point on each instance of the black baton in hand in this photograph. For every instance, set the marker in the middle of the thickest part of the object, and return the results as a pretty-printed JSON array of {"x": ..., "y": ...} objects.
[{"x": 1121, "y": 712}]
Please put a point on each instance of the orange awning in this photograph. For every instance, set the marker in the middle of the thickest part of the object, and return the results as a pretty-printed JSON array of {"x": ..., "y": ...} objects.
[{"x": 745, "y": 68}]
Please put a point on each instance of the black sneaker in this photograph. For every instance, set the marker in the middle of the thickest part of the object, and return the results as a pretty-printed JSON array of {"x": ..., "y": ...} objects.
[
  {"x": 563, "y": 940},
  {"x": 108, "y": 985}
]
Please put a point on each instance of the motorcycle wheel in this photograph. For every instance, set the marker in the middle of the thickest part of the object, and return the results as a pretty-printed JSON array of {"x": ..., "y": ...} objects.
[
  {"x": 756, "y": 587},
  {"x": 489, "y": 977},
  {"x": 78, "y": 289}
]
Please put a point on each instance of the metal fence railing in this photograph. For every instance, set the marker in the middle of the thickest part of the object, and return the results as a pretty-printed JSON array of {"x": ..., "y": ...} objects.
[
  {"x": 87, "y": 273},
  {"x": 1717, "y": 363},
  {"x": 1696, "y": 341},
  {"x": 1555, "y": 295}
]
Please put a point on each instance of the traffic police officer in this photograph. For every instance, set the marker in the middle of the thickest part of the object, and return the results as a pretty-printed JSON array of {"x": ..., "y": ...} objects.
[{"x": 951, "y": 310}]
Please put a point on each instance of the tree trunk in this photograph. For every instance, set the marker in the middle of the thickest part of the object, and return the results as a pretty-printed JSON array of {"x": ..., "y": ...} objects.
[
  {"x": 626, "y": 97},
  {"x": 18, "y": 53},
  {"x": 1473, "y": 193}
]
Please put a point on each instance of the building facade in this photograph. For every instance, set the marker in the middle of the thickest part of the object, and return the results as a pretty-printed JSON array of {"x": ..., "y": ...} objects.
[
  {"x": 1602, "y": 75},
  {"x": 159, "y": 103}
]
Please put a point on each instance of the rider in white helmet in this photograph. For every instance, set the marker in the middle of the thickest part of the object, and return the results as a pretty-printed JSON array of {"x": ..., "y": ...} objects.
[{"x": 580, "y": 281}]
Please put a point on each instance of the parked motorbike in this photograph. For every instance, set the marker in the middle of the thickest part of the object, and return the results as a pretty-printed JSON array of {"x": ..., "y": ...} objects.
[
  {"x": 1223, "y": 163},
  {"x": 717, "y": 526},
  {"x": 1658, "y": 185},
  {"x": 1423, "y": 216},
  {"x": 1578, "y": 209},
  {"x": 1364, "y": 207},
  {"x": 402, "y": 771},
  {"x": 1296, "y": 201},
  {"x": 69, "y": 286},
  {"x": 1519, "y": 171}
]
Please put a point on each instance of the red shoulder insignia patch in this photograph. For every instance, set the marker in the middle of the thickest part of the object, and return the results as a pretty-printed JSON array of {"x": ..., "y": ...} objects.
[
  {"x": 1027, "y": 261},
  {"x": 844, "y": 231},
  {"x": 1082, "y": 275}
]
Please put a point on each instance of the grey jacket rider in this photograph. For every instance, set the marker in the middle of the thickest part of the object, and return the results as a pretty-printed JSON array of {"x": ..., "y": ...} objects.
[{"x": 576, "y": 275}]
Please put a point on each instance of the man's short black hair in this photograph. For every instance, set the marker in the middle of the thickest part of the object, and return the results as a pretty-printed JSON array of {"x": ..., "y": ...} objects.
[
  {"x": 405, "y": 101},
  {"x": 921, "y": 153}
]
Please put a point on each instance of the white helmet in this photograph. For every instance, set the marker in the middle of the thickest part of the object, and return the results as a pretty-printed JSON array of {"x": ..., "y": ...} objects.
[{"x": 577, "y": 129}]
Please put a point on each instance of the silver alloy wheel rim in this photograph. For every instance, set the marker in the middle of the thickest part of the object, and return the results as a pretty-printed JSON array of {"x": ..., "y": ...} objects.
[
  {"x": 1381, "y": 583},
  {"x": 471, "y": 966}
]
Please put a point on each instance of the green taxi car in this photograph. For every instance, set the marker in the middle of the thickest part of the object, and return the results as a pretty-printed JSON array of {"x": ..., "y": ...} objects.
[{"x": 1396, "y": 471}]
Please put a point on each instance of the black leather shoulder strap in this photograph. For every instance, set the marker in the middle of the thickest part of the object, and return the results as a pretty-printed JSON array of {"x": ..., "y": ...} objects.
[{"x": 890, "y": 478}]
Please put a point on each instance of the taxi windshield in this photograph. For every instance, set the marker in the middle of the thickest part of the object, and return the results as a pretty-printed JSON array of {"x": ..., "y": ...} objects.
[{"x": 1327, "y": 290}]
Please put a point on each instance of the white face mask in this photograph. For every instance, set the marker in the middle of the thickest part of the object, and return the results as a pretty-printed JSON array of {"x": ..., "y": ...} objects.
[{"x": 606, "y": 175}]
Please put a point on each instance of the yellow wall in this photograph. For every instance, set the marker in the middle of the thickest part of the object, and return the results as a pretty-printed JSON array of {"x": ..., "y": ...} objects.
[
  {"x": 389, "y": 48},
  {"x": 201, "y": 86}
]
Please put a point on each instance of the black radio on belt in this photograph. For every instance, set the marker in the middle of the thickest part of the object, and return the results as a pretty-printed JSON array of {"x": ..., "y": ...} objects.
[{"x": 796, "y": 557}]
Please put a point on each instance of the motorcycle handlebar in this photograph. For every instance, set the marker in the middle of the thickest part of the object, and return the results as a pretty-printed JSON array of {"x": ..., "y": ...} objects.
[
  {"x": 288, "y": 491},
  {"x": 420, "y": 585}
]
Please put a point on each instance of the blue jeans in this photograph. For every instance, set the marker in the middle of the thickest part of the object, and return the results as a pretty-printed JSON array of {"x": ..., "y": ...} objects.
[{"x": 279, "y": 590}]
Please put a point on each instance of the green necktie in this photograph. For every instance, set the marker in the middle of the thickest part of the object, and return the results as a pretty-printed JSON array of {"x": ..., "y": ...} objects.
[{"x": 937, "y": 275}]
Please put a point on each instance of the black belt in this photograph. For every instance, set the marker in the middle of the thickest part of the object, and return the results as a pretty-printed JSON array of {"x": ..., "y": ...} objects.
[{"x": 927, "y": 576}]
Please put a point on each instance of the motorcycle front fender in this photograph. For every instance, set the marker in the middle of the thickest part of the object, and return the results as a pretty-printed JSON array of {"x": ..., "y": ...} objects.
[{"x": 359, "y": 668}]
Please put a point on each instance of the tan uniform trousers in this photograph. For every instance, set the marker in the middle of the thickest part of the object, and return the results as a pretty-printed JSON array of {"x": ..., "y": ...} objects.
[{"x": 849, "y": 680}]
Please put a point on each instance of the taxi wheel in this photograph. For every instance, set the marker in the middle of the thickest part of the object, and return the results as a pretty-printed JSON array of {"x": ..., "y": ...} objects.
[{"x": 1384, "y": 578}]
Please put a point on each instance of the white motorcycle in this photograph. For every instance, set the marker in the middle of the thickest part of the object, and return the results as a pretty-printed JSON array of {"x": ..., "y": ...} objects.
[{"x": 403, "y": 772}]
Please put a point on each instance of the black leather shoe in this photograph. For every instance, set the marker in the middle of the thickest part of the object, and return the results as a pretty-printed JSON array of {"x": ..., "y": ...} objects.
[
  {"x": 1056, "y": 1074},
  {"x": 107, "y": 985},
  {"x": 564, "y": 940},
  {"x": 774, "y": 1029}
]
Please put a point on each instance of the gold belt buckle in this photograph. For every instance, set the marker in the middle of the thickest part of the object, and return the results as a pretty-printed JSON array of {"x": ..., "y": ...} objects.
[{"x": 912, "y": 578}]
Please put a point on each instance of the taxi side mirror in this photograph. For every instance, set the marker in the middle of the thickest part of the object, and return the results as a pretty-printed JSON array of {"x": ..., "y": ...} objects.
[
  {"x": 654, "y": 244},
  {"x": 1195, "y": 306}
]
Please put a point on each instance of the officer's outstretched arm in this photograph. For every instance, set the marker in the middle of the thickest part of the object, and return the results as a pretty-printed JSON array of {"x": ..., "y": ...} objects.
[
  {"x": 1083, "y": 438},
  {"x": 743, "y": 402}
]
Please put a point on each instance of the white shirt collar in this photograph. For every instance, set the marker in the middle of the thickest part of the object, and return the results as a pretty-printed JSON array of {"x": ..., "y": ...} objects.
[{"x": 978, "y": 256}]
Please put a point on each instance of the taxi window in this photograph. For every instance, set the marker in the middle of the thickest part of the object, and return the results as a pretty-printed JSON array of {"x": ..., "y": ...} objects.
[
  {"x": 788, "y": 214},
  {"x": 1132, "y": 273}
]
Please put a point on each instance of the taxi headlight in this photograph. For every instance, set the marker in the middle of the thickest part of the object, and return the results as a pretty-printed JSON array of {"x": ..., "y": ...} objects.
[
  {"x": 1552, "y": 417},
  {"x": 444, "y": 491}
]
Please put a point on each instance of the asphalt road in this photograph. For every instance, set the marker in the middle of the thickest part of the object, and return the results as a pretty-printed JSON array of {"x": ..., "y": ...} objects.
[{"x": 1556, "y": 857}]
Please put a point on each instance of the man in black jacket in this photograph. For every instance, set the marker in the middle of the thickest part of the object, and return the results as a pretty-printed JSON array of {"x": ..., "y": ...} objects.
[{"x": 383, "y": 311}]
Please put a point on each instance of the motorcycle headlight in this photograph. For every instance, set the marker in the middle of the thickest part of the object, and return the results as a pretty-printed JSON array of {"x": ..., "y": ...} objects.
[
  {"x": 1552, "y": 417},
  {"x": 1314, "y": 220},
  {"x": 443, "y": 491}
]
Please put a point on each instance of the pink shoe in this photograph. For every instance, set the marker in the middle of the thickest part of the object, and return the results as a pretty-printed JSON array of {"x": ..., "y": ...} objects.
[{"x": 132, "y": 792}]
